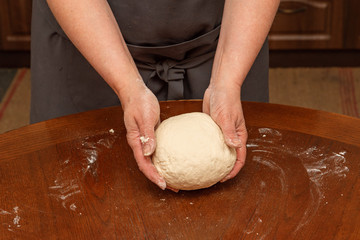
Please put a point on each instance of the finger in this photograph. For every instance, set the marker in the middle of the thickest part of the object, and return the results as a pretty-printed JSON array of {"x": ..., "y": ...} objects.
[
  {"x": 240, "y": 162},
  {"x": 228, "y": 129},
  {"x": 147, "y": 139},
  {"x": 158, "y": 124},
  {"x": 148, "y": 169},
  {"x": 144, "y": 163}
]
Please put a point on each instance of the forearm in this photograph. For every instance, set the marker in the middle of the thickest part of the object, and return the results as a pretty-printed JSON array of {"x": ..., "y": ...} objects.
[
  {"x": 244, "y": 29},
  {"x": 92, "y": 28}
]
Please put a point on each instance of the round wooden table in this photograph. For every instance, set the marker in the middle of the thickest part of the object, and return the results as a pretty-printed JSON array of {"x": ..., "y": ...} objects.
[{"x": 75, "y": 178}]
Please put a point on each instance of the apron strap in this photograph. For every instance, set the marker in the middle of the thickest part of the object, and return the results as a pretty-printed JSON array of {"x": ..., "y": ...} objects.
[{"x": 172, "y": 72}]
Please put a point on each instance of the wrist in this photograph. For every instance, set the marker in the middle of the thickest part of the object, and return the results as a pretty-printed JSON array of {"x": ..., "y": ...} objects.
[
  {"x": 130, "y": 89},
  {"x": 125, "y": 82},
  {"x": 225, "y": 91},
  {"x": 228, "y": 71}
]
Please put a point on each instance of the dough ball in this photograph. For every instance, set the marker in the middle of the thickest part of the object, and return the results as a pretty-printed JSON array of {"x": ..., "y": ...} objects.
[{"x": 191, "y": 152}]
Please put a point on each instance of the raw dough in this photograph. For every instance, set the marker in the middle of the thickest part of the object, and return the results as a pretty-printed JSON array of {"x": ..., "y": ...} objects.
[{"x": 191, "y": 152}]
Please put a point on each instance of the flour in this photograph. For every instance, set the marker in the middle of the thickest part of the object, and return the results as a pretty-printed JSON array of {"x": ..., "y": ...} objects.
[
  {"x": 13, "y": 218},
  {"x": 73, "y": 207},
  {"x": 318, "y": 163},
  {"x": 16, "y": 221},
  {"x": 269, "y": 131},
  {"x": 90, "y": 150},
  {"x": 64, "y": 189},
  {"x": 144, "y": 139},
  {"x": 273, "y": 166},
  {"x": 3, "y": 212}
]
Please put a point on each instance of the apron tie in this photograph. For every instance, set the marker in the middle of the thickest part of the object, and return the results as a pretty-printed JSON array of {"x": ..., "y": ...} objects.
[
  {"x": 172, "y": 73},
  {"x": 168, "y": 72}
]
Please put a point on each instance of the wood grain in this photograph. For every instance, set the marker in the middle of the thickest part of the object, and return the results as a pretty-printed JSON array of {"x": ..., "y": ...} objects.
[
  {"x": 308, "y": 24},
  {"x": 70, "y": 178},
  {"x": 352, "y": 24},
  {"x": 15, "y": 20}
]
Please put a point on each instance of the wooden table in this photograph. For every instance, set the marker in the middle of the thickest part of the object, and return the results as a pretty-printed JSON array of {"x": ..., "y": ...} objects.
[{"x": 71, "y": 178}]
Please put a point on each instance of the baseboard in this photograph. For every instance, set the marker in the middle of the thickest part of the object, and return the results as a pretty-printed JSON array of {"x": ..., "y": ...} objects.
[
  {"x": 278, "y": 58},
  {"x": 14, "y": 59},
  {"x": 314, "y": 58}
]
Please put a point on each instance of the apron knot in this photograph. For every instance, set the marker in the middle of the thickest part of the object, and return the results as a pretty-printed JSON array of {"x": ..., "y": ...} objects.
[
  {"x": 167, "y": 71},
  {"x": 171, "y": 73}
]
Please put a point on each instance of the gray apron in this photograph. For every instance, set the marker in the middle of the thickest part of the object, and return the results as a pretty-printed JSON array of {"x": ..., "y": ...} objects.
[{"x": 172, "y": 42}]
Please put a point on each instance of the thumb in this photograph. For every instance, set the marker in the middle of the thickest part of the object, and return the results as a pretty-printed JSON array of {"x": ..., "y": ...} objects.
[
  {"x": 230, "y": 135},
  {"x": 147, "y": 139}
]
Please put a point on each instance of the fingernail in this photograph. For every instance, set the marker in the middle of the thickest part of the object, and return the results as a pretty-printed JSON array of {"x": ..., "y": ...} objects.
[
  {"x": 147, "y": 149},
  {"x": 161, "y": 184}
]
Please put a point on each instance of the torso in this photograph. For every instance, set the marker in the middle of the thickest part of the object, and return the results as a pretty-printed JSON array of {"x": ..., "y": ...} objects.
[{"x": 166, "y": 22}]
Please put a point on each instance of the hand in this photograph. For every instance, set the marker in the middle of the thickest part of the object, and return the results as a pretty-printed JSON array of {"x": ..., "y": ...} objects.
[
  {"x": 141, "y": 116},
  {"x": 223, "y": 104}
]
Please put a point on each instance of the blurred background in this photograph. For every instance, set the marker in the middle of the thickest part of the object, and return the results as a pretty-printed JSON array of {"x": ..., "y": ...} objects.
[{"x": 314, "y": 57}]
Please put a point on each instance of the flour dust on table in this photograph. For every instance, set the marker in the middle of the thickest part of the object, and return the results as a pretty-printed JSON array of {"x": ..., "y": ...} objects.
[
  {"x": 313, "y": 164},
  {"x": 68, "y": 186}
]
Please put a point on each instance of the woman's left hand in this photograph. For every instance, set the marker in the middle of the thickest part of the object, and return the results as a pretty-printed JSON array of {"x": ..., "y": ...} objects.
[
  {"x": 240, "y": 40},
  {"x": 223, "y": 104}
]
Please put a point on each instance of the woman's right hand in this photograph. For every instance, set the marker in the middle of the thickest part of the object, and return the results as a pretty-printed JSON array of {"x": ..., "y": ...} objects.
[
  {"x": 141, "y": 116},
  {"x": 93, "y": 29}
]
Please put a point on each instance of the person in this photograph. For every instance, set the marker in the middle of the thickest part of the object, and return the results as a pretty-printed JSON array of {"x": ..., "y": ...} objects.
[{"x": 92, "y": 54}]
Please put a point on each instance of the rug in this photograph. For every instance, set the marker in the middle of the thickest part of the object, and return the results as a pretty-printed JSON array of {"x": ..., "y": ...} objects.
[
  {"x": 328, "y": 89},
  {"x": 14, "y": 98}
]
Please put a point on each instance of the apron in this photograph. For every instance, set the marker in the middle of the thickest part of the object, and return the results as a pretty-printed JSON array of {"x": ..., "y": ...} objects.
[{"x": 173, "y": 44}]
